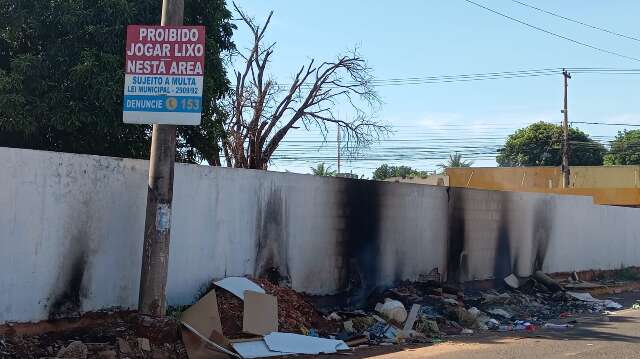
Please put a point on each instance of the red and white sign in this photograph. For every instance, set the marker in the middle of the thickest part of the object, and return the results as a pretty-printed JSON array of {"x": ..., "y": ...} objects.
[{"x": 164, "y": 72}]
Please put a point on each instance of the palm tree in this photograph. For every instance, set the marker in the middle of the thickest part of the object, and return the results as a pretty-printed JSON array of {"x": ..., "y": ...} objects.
[
  {"x": 455, "y": 160},
  {"x": 321, "y": 170}
]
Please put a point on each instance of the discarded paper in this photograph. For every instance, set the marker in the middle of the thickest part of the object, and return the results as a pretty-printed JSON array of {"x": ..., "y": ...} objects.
[
  {"x": 238, "y": 285},
  {"x": 302, "y": 344},
  {"x": 255, "y": 349}
]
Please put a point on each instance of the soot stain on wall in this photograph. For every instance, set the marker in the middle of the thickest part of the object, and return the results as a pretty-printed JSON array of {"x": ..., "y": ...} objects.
[
  {"x": 541, "y": 231},
  {"x": 503, "y": 264},
  {"x": 71, "y": 290},
  {"x": 271, "y": 241},
  {"x": 456, "y": 260},
  {"x": 359, "y": 246}
]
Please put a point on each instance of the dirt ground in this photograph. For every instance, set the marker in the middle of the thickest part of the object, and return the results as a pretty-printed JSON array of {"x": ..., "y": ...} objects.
[{"x": 106, "y": 334}]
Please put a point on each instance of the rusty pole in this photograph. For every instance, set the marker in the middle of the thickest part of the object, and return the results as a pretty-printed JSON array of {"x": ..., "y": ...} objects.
[{"x": 157, "y": 226}]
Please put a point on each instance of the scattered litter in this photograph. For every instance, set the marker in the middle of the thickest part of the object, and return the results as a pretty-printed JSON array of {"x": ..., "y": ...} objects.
[
  {"x": 75, "y": 350},
  {"x": 587, "y": 297},
  {"x": 357, "y": 340},
  {"x": 547, "y": 281},
  {"x": 492, "y": 323},
  {"x": 557, "y": 326},
  {"x": 413, "y": 315},
  {"x": 610, "y": 304},
  {"x": 225, "y": 321},
  {"x": 144, "y": 345},
  {"x": 238, "y": 285},
  {"x": 512, "y": 281},
  {"x": 500, "y": 312},
  {"x": 392, "y": 309},
  {"x": 391, "y": 332},
  {"x": 451, "y": 301}
]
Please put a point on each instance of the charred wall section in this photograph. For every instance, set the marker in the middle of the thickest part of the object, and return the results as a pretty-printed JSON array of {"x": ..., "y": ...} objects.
[
  {"x": 359, "y": 245},
  {"x": 456, "y": 265},
  {"x": 494, "y": 233},
  {"x": 271, "y": 233}
]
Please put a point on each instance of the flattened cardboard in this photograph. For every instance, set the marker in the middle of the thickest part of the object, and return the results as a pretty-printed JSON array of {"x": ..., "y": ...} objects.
[
  {"x": 260, "y": 314},
  {"x": 198, "y": 348},
  {"x": 202, "y": 330},
  {"x": 204, "y": 315}
]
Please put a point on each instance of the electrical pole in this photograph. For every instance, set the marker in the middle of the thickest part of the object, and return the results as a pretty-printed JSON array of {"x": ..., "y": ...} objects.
[
  {"x": 338, "y": 140},
  {"x": 157, "y": 226},
  {"x": 566, "y": 173}
]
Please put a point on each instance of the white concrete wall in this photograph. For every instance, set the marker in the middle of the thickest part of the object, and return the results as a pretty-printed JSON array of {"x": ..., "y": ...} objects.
[
  {"x": 71, "y": 229},
  {"x": 507, "y": 231}
]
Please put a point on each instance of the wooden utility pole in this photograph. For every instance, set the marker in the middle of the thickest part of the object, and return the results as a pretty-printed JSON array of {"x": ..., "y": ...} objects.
[
  {"x": 338, "y": 140},
  {"x": 157, "y": 227},
  {"x": 566, "y": 173}
]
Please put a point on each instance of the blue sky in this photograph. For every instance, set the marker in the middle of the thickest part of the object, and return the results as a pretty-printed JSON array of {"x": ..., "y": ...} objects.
[{"x": 447, "y": 37}]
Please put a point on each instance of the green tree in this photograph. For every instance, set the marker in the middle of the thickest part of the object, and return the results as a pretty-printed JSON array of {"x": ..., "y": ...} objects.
[
  {"x": 385, "y": 171},
  {"x": 455, "y": 160},
  {"x": 62, "y": 76},
  {"x": 625, "y": 149},
  {"x": 322, "y": 170},
  {"x": 540, "y": 144}
]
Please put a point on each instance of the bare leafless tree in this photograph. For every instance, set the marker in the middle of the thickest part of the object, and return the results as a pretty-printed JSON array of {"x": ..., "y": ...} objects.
[{"x": 262, "y": 112}]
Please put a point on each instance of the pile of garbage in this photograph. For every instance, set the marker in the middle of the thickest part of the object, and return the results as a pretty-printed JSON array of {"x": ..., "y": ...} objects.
[
  {"x": 428, "y": 311},
  {"x": 259, "y": 318},
  {"x": 242, "y": 318},
  {"x": 295, "y": 313}
]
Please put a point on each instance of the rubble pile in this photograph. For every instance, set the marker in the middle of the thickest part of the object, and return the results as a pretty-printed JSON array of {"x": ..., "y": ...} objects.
[
  {"x": 230, "y": 314},
  {"x": 111, "y": 338},
  {"x": 526, "y": 304},
  {"x": 244, "y": 318},
  {"x": 295, "y": 313}
]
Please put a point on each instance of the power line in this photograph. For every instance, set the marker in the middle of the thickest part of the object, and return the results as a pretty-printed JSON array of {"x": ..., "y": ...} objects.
[
  {"x": 577, "y": 21},
  {"x": 438, "y": 79},
  {"x": 553, "y": 33},
  {"x": 607, "y": 123}
]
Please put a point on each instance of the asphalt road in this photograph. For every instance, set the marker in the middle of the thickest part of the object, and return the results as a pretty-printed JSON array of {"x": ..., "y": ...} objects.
[{"x": 615, "y": 336}]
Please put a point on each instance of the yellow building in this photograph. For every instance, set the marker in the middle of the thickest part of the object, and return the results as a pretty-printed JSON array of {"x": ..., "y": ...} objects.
[{"x": 613, "y": 185}]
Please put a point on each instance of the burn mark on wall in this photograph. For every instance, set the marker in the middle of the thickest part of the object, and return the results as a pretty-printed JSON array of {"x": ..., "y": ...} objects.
[
  {"x": 359, "y": 247},
  {"x": 271, "y": 241},
  {"x": 456, "y": 260},
  {"x": 71, "y": 290},
  {"x": 502, "y": 262},
  {"x": 541, "y": 232},
  {"x": 73, "y": 283}
]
